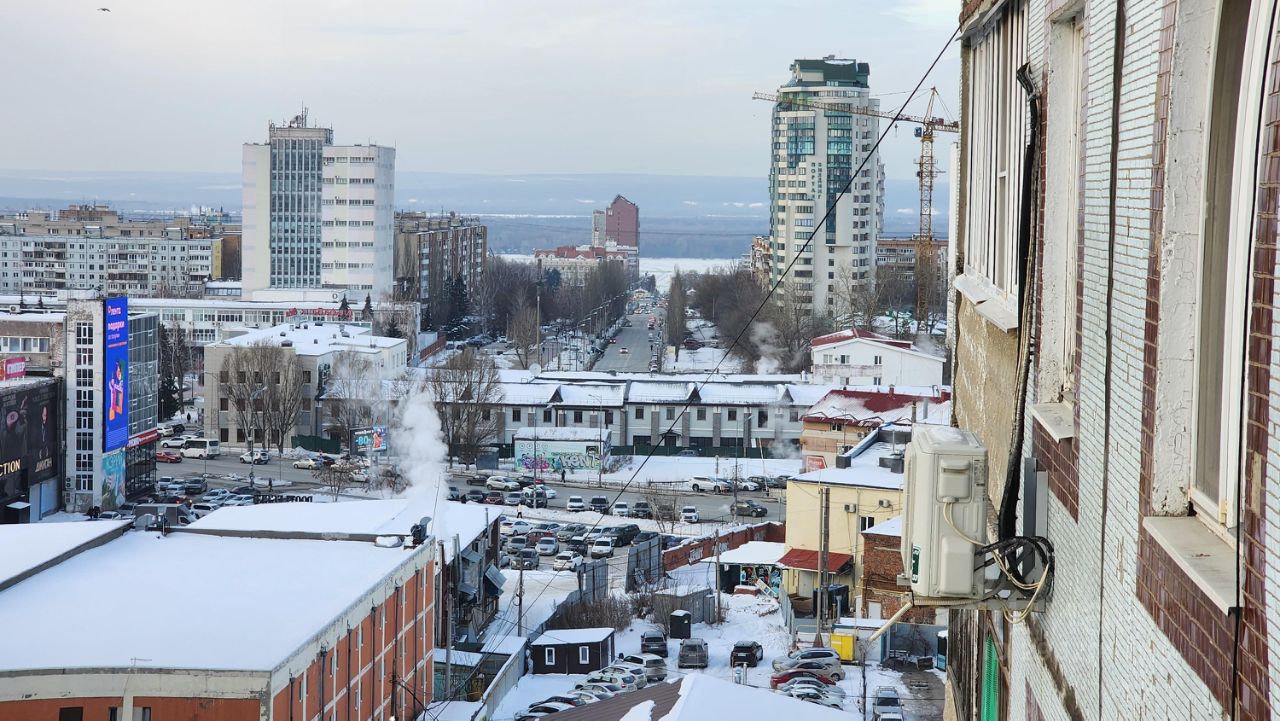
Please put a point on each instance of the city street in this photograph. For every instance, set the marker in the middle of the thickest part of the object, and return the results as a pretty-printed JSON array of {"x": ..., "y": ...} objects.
[{"x": 636, "y": 341}]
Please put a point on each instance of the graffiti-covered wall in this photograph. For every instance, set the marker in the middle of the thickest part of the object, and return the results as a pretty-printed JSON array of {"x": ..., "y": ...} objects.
[{"x": 556, "y": 456}]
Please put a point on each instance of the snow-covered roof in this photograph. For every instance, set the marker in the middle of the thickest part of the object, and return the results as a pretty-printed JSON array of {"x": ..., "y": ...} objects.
[
  {"x": 735, "y": 394},
  {"x": 592, "y": 394},
  {"x": 558, "y": 636},
  {"x": 310, "y": 338},
  {"x": 659, "y": 392},
  {"x": 237, "y": 578},
  {"x": 566, "y": 433},
  {"x": 753, "y": 553},
  {"x": 528, "y": 394},
  {"x": 458, "y": 658},
  {"x": 29, "y": 545},
  {"x": 852, "y": 334},
  {"x": 695, "y": 376},
  {"x": 891, "y": 527},
  {"x": 864, "y": 470},
  {"x": 806, "y": 394},
  {"x": 381, "y": 517},
  {"x": 873, "y": 405}
]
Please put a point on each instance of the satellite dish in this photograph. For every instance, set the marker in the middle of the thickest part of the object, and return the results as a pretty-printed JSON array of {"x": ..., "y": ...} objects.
[{"x": 535, "y": 369}]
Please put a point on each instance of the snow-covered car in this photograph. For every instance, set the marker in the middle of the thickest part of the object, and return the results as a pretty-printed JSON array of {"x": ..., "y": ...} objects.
[
  {"x": 812, "y": 682},
  {"x": 308, "y": 464},
  {"x": 548, "y": 546},
  {"x": 501, "y": 483},
  {"x": 599, "y": 688},
  {"x": 566, "y": 561},
  {"x": 626, "y": 667},
  {"x": 689, "y": 514},
  {"x": 813, "y": 695},
  {"x": 575, "y": 503},
  {"x": 455, "y": 494},
  {"x": 627, "y": 681}
]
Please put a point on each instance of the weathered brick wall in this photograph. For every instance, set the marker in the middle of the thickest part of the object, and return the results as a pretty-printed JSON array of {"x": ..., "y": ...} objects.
[
  {"x": 881, "y": 565},
  {"x": 703, "y": 548}
]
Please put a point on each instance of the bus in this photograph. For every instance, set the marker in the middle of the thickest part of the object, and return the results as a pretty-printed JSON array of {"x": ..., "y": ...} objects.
[{"x": 201, "y": 448}]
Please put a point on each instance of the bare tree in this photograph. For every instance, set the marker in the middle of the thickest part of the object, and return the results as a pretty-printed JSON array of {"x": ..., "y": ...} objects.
[
  {"x": 523, "y": 332},
  {"x": 243, "y": 381},
  {"x": 677, "y": 303},
  {"x": 466, "y": 391},
  {"x": 337, "y": 477},
  {"x": 860, "y": 301},
  {"x": 284, "y": 397},
  {"x": 349, "y": 392}
]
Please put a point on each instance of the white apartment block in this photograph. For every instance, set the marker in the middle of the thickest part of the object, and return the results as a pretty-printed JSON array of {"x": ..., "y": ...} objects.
[
  {"x": 317, "y": 215},
  {"x": 814, "y": 154}
]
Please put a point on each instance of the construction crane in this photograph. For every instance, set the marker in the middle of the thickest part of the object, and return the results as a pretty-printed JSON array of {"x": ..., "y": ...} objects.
[{"x": 926, "y": 171}]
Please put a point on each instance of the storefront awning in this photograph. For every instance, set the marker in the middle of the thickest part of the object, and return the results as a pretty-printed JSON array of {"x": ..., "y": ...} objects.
[{"x": 806, "y": 560}]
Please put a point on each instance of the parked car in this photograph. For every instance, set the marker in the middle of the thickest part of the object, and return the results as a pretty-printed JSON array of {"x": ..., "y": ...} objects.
[
  {"x": 245, "y": 490},
  {"x": 689, "y": 514},
  {"x": 781, "y": 677},
  {"x": 777, "y": 481},
  {"x": 612, "y": 689},
  {"x": 548, "y": 546},
  {"x": 475, "y": 495},
  {"x": 194, "y": 486},
  {"x": 760, "y": 481},
  {"x": 644, "y": 536},
  {"x": 812, "y": 682},
  {"x": 748, "y": 653},
  {"x": 257, "y": 458},
  {"x": 623, "y": 534},
  {"x": 579, "y": 545},
  {"x": 628, "y": 673},
  {"x": 602, "y": 548},
  {"x": 240, "y": 499},
  {"x": 655, "y": 668},
  {"x": 493, "y": 498},
  {"x": 526, "y": 559},
  {"x": 600, "y": 504},
  {"x": 886, "y": 701},
  {"x": 216, "y": 493},
  {"x": 829, "y": 656},
  {"x": 626, "y": 681},
  {"x": 706, "y": 483},
  {"x": 642, "y": 509},
  {"x": 308, "y": 464},
  {"x": 821, "y": 668},
  {"x": 693, "y": 654},
  {"x": 622, "y": 508},
  {"x": 549, "y": 526},
  {"x": 687, "y": 453},
  {"x": 454, "y": 494},
  {"x": 168, "y": 457},
  {"x": 564, "y": 533},
  {"x": 567, "y": 561},
  {"x": 175, "y": 441},
  {"x": 512, "y": 498},
  {"x": 746, "y": 484},
  {"x": 813, "y": 695},
  {"x": 203, "y": 509},
  {"x": 541, "y": 489},
  {"x": 533, "y": 500},
  {"x": 575, "y": 503},
  {"x": 748, "y": 508},
  {"x": 516, "y": 544},
  {"x": 501, "y": 483}
]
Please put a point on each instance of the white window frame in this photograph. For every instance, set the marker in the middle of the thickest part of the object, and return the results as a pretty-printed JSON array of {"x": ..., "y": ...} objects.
[
  {"x": 584, "y": 654},
  {"x": 1225, "y": 427},
  {"x": 549, "y": 655}
]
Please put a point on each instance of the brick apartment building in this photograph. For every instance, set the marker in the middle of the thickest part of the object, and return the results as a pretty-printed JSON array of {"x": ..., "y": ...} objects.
[
  {"x": 881, "y": 566},
  {"x": 270, "y": 636},
  {"x": 1152, "y": 133}
]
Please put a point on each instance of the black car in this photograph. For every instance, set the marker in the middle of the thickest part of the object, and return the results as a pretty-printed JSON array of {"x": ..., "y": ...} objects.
[
  {"x": 245, "y": 491},
  {"x": 654, "y": 642},
  {"x": 527, "y": 559},
  {"x": 599, "y": 504},
  {"x": 748, "y": 508},
  {"x": 641, "y": 509},
  {"x": 671, "y": 541},
  {"x": 644, "y": 536},
  {"x": 624, "y": 534},
  {"x": 195, "y": 485},
  {"x": 776, "y": 482},
  {"x": 579, "y": 545},
  {"x": 475, "y": 496},
  {"x": 747, "y": 653}
]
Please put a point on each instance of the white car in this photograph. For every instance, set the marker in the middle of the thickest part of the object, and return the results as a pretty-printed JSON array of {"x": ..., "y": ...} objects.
[
  {"x": 575, "y": 503},
  {"x": 175, "y": 441},
  {"x": 706, "y": 483},
  {"x": 308, "y": 464},
  {"x": 548, "y": 546},
  {"x": 513, "y": 527},
  {"x": 602, "y": 548},
  {"x": 566, "y": 561},
  {"x": 256, "y": 457},
  {"x": 689, "y": 514},
  {"x": 204, "y": 508},
  {"x": 217, "y": 494},
  {"x": 635, "y": 669},
  {"x": 501, "y": 483},
  {"x": 626, "y": 680},
  {"x": 621, "y": 508},
  {"x": 243, "y": 499},
  {"x": 745, "y": 485}
]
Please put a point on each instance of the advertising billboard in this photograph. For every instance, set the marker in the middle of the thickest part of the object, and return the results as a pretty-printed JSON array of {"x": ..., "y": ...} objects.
[
  {"x": 367, "y": 440},
  {"x": 28, "y": 437},
  {"x": 115, "y": 373},
  {"x": 113, "y": 491}
]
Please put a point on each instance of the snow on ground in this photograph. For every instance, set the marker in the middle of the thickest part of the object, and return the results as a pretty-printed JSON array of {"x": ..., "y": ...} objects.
[
  {"x": 543, "y": 591},
  {"x": 532, "y": 688},
  {"x": 663, "y": 268}
]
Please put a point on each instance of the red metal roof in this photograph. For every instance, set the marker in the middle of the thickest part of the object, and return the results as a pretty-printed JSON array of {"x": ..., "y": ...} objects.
[
  {"x": 852, "y": 333},
  {"x": 808, "y": 560}
]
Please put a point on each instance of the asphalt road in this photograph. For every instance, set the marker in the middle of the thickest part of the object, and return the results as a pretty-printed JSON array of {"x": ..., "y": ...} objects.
[{"x": 636, "y": 341}]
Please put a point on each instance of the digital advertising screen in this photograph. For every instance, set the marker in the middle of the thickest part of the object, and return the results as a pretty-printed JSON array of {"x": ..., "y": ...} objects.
[{"x": 115, "y": 372}]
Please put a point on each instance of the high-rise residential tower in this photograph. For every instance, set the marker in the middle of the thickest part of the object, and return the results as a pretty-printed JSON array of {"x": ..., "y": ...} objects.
[
  {"x": 622, "y": 223},
  {"x": 814, "y": 154},
  {"x": 317, "y": 215}
]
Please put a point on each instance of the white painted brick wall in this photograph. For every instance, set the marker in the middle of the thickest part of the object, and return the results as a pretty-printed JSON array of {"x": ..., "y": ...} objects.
[{"x": 1095, "y": 588}]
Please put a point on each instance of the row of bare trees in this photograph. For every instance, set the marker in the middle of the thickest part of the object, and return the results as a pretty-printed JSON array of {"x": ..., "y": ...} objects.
[{"x": 263, "y": 384}]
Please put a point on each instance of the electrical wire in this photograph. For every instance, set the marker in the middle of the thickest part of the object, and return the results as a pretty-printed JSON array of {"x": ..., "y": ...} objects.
[{"x": 763, "y": 304}]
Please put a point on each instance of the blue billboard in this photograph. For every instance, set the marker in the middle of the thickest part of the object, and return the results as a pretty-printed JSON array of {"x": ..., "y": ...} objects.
[{"x": 115, "y": 372}]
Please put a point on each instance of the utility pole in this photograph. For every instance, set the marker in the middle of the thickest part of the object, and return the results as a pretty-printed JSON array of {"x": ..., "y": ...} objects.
[
  {"x": 520, "y": 603},
  {"x": 717, "y": 542},
  {"x": 824, "y": 544}
]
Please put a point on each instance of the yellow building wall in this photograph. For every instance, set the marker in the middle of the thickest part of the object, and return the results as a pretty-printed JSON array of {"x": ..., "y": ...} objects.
[
  {"x": 817, "y": 440},
  {"x": 804, "y": 526}
]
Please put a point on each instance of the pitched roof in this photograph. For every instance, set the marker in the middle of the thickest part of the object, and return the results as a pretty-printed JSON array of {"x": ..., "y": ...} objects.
[
  {"x": 808, "y": 560},
  {"x": 857, "y": 334},
  {"x": 557, "y": 636},
  {"x": 873, "y": 406}
]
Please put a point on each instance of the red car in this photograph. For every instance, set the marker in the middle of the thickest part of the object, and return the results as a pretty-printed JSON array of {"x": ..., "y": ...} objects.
[
  {"x": 782, "y": 677},
  {"x": 494, "y": 498},
  {"x": 168, "y": 457}
]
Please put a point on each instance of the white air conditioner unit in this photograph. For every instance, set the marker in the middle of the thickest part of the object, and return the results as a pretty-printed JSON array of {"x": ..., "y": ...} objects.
[
  {"x": 885, "y": 503},
  {"x": 850, "y": 508},
  {"x": 945, "y": 493}
]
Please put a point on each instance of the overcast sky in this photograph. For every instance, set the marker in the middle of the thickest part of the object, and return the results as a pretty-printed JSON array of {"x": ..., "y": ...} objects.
[{"x": 479, "y": 86}]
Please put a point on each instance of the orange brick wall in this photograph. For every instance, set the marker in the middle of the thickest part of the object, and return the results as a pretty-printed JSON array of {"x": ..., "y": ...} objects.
[{"x": 162, "y": 709}]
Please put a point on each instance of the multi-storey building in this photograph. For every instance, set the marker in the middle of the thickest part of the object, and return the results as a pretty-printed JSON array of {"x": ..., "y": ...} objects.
[
  {"x": 621, "y": 223},
  {"x": 1143, "y": 323},
  {"x": 574, "y": 264},
  {"x": 92, "y": 248},
  {"x": 111, "y": 416},
  {"x": 815, "y": 154},
  {"x": 897, "y": 257},
  {"x": 317, "y": 215},
  {"x": 432, "y": 250}
]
